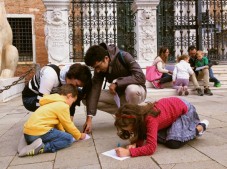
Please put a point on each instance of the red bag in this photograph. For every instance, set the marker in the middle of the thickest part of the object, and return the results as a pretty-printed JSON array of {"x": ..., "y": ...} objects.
[{"x": 152, "y": 73}]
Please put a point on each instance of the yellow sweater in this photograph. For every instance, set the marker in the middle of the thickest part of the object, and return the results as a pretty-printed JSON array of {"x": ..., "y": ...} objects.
[{"x": 52, "y": 113}]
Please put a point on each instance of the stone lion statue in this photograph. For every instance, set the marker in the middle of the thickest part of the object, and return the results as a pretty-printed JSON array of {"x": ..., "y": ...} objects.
[{"x": 8, "y": 52}]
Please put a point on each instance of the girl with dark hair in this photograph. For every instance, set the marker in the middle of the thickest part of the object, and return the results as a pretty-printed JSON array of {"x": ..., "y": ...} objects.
[
  {"x": 171, "y": 121},
  {"x": 50, "y": 78},
  {"x": 160, "y": 62}
]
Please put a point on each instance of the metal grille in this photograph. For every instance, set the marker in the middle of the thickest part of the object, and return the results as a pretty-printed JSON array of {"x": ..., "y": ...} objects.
[
  {"x": 202, "y": 23},
  {"x": 22, "y": 37},
  {"x": 96, "y": 21}
]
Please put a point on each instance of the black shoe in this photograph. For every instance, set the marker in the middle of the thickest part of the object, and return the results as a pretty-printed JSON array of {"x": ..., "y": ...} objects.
[
  {"x": 199, "y": 92},
  {"x": 207, "y": 91}
]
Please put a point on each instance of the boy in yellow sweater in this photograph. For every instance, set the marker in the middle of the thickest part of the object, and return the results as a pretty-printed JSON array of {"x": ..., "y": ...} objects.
[{"x": 50, "y": 128}]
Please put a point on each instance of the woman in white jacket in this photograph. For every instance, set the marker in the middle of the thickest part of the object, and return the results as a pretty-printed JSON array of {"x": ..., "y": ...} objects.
[{"x": 181, "y": 74}]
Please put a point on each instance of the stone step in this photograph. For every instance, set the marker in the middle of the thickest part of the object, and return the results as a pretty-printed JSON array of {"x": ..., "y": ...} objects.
[
  {"x": 169, "y": 84},
  {"x": 172, "y": 92}
]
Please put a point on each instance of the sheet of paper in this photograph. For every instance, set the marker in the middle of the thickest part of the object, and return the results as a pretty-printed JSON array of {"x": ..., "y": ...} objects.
[
  {"x": 87, "y": 137},
  {"x": 117, "y": 100},
  {"x": 112, "y": 153},
  {"x": 200, "y": 68}
]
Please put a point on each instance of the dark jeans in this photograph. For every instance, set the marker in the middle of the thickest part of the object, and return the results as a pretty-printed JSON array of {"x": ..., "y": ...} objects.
[
  {"x": 165, "y": 78},
  {"x": 173, "y": 144},
  {"x": 212, "y": 78},
  {"x": 30, "y": 103},
  {"x": 53, "y": 140}
]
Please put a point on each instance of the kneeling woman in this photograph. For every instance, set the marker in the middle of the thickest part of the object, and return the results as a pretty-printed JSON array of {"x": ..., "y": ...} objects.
[{"x": 171, "y": 121}]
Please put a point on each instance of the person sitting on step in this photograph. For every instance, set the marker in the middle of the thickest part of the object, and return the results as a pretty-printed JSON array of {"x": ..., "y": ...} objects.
[{"x": 160, "y": 62}]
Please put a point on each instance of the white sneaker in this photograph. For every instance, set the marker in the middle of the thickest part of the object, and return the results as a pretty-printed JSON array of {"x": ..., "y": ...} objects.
[{"x": 206, "y": 123}]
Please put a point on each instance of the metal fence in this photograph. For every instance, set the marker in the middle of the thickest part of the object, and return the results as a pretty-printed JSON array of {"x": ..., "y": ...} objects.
[
  {"x": 95, "y": 21},
  {"x": 202, "y": 23}
]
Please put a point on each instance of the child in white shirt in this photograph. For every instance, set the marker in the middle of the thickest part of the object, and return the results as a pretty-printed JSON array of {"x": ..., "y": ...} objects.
[{"x": 181, "y": 74}]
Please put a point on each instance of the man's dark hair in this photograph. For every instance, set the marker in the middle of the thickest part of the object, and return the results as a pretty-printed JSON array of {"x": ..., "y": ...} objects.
[
  {"x": 67, "y": 89},
  {"x": 80, "y": 72},
  {"x": 192, "y": 47},
  {"x": 95, "y": 53}
]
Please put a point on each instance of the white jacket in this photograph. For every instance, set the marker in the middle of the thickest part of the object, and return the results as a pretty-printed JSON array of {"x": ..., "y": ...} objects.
[{"x": 182, "y": 70}]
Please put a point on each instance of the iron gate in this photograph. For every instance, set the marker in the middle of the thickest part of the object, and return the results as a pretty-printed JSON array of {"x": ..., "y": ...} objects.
[
  {"x": 95, "y": 21},
  {"x": 202, "y": 23}
]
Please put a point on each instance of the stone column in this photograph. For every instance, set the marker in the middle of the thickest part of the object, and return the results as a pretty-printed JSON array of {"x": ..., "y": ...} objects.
[
  {"x": 146, "y": 30},
  {"x": 57, "y": 30}
]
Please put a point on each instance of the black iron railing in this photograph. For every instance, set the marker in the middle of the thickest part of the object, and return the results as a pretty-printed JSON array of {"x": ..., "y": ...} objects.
[{"x": 96, "y": 21}]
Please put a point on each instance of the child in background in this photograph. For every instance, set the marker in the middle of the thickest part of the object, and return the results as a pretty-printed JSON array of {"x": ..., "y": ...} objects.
[
  {"x": 181, "y": 74},
  {"x": 202, "y": 61},
  {"x": 50, "y": 128},
  {"x": 217, "y": 83},
  {"x": 176, "y": 118}
]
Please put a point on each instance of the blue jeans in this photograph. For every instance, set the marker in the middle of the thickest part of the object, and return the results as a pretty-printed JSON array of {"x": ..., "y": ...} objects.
[
  {"x": 53, "y": 140},
  {"x": 212, "y": 78}
]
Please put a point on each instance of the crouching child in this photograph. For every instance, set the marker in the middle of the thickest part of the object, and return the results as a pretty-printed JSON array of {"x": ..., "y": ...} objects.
[{"x": 50, "y": 128}]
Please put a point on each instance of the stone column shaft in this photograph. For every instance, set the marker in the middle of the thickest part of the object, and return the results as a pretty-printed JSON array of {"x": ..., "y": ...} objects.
[{"x": 146, "y": 30}]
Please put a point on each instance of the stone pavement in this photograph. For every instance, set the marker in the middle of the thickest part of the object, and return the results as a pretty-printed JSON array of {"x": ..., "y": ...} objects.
[{"x": 206, "y": 152}]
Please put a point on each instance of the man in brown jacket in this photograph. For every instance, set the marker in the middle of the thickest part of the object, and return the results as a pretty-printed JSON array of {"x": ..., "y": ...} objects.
[{"x": 124, "y": 76}]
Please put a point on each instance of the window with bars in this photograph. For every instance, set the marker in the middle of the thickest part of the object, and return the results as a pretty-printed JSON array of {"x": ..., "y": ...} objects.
[{"x": 22, "y": 37}]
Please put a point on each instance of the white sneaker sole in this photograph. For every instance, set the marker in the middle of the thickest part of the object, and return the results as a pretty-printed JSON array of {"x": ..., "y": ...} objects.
[{"x": 38, "y": 142}]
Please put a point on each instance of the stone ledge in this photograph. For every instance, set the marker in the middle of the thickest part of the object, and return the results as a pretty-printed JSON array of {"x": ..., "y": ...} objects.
[{"x": 13, "y": 91}]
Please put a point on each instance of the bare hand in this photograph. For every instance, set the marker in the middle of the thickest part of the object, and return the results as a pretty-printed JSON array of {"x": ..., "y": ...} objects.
[
  {"x": 112, "y": 88},
  {"x": 122, "y": 152},
  {"x": 170, "y": 72},
  {"x": 87, "y": 128},
  {"x": 83, "y": 135},
  {"x": 131, "y": 146}
]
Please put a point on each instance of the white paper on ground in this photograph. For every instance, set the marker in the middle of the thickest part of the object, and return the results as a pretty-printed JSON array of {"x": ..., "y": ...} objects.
[
  {"x": 117, "y": 100},
  {"x": 87, "y": 137},
  {"x": 112, "y": 153}
]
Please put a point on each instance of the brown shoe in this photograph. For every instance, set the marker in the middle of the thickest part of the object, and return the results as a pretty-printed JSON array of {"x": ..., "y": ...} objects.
[{"x": 208, "y": 92}]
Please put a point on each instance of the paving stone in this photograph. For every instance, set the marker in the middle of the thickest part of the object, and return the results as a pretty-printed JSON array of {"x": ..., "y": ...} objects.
[
  {"x": 131, "y": 163},
  {"x": 164, "y": 155},
  {"x": 44, "y": 165},
  {"x": 193, "y": 165},
  {"x": 5, "y": 161},
  {"x": 40, "y": 158},
  {"x": 76, "y": 157},
  {"x": 217, "y": 153},
  {"x": 208, "y": 151}
]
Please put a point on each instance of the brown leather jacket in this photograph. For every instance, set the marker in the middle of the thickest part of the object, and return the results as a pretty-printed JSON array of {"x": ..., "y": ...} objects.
[{"x": 129, "y": 73}]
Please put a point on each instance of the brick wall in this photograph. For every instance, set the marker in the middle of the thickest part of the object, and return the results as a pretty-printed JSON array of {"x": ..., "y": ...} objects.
[{"x": 36, "y": 8}]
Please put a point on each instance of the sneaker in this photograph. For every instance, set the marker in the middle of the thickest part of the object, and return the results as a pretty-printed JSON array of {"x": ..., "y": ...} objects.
[
  {"x": 185, "y": 90},
  {"x": 36, "y": 147},
  {"x": 205, "y": 124},
  {"x": 199, "y": 92},
  {"x": 208, "y": 92},
  {"x": 217, "y": 84},
  {"x": 180, "y": 90},
  {"x": 156, "y": 84}
]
